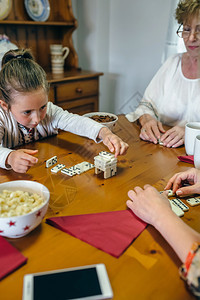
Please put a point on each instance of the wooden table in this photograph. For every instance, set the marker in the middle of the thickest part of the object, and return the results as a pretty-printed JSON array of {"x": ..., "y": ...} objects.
[{"x": 148, "y": 269}]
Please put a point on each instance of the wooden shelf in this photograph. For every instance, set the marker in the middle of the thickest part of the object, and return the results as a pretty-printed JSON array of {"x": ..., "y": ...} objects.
[
  {"x": 75, "y": 90},
  {"x": 38, "y": 36},
  {"x": 34, "y": 23},
  {"x": 74, "y": 74}
]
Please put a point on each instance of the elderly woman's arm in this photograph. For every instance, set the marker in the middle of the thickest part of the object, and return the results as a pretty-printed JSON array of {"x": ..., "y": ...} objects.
[{"x": 159, "y": 106}]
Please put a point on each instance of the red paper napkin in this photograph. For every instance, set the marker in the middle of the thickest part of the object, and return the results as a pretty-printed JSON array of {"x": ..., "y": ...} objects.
[
  {"x": 111, "y": 232},
  {"x": 187, "y": 158},
  {"x": 10, "y": 258}
]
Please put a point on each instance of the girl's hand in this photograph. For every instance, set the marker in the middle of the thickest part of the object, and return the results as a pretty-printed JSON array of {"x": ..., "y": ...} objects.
[
  {"x": 113, "y": 142},
  {"x": 148, "y": 204},
  {"x": 191, "y": 177},
  {"x": 21, "y": 160},
  {"x": 151, "y": 129},
  {"x": 173, "y": 137}
]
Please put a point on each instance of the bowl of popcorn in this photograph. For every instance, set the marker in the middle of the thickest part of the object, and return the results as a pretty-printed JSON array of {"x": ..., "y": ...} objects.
[
  {"x": 103, "y": 118},
  {"x": 23, "y": 205}
]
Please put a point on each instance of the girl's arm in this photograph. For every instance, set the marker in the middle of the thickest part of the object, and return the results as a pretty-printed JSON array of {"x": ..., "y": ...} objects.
[{"x": 87, "y": 127}]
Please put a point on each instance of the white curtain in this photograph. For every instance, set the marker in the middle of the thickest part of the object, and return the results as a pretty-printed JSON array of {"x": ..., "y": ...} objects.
[{"x": 173, "y": 43}]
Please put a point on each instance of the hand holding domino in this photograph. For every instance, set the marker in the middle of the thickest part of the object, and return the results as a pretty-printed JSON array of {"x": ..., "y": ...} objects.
[
  {"x": 113, "y": 142},
  {"x": 179, "y": 186}
]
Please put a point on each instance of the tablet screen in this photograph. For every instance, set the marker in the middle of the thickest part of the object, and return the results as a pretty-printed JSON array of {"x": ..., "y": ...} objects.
[{"x": 67, "y": 285}]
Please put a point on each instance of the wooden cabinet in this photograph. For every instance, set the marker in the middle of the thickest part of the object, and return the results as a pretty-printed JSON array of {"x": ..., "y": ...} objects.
[{"x": 75, "y": 90}]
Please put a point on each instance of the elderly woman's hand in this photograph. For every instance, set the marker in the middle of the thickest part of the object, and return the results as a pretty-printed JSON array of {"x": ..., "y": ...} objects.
[
  {"x": 151, "y": 129},
  {"x": 173, "y": 137}
]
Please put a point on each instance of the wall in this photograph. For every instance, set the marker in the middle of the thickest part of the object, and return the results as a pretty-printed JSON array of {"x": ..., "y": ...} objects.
[{"x": 125, "y": 40}]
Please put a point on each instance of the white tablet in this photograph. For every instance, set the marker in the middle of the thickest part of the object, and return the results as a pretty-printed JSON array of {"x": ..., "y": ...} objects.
[{"x": 87, "y": 282}]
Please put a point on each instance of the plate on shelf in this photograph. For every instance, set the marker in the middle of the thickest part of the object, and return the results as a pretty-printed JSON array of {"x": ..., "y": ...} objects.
[
  {"x": 38, "y": 10},
  {"x": 5, "y": 8}
]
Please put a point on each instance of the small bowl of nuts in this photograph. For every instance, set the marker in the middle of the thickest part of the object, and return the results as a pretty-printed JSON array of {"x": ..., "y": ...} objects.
[
  {"x": 103, "y": 118},
  {"x": 23, "y": 205}
]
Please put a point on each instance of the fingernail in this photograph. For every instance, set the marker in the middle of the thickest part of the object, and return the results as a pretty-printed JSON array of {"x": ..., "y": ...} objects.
[{"x": 178, "y": 192}]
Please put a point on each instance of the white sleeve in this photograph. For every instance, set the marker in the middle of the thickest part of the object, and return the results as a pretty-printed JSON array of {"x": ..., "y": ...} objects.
[
  {"x": 83, "y": 126},
  {"x": 154, "y": 91},
  {"x": 145, "y": 107},
  {"x": 4, "y": 152}
]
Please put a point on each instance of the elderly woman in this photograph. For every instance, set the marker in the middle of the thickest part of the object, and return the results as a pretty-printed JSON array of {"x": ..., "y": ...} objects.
[
  {"x": 152, "y": 207},
  {"x": 173, "y": 96}
]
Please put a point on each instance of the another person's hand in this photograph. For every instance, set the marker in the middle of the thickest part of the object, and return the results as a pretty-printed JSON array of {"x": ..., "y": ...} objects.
[
  {"x": 112, "y": 141},
  {"x": 178, "y": 181},
  {"x": 21, "y": 160},
  {"x": 151, "y": 129},
  {"x": 148, "y": 204},
  {"x": 173, "y": 137}
]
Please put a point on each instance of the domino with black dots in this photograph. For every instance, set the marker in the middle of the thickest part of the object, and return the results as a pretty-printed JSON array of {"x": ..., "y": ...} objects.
[
  {"x": 193, "y": 201},
  {"x": 57, "y": 168},
  {"x": 180, "y": 204},
  {"x": 51, "y": 161}
]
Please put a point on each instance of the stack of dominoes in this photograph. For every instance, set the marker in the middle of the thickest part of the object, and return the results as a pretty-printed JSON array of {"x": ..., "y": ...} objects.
[{"x": 107, "y": 163}]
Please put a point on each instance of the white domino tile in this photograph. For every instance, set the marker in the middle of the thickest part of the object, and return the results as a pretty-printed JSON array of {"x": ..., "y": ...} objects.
[
  {"x": 160, "y": 142},
  {"x": 51, "y": 161},
  {"x": 179, "y": 212},
  {"x": 68, "y": 172},
  {"x": 78, "y": 169},
  {"x": 180, "y": 204},
  {"x": 193, "y": 201},
  {"x": 57, "y": 168}
]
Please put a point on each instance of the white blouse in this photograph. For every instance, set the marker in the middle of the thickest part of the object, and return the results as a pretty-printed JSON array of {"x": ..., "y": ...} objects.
[{"x": 170, "y": 97}]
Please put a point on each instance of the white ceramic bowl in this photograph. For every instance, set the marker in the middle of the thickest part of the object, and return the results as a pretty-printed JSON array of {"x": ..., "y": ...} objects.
[
  {"x": 18, "y": 226},
  {"x": 110, "y": 125}
]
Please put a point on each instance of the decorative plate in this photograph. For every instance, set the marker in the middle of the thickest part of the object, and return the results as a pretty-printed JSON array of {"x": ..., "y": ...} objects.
[
  {"x": 5, "y": 8},
  {"x": 38, "y": 10}
]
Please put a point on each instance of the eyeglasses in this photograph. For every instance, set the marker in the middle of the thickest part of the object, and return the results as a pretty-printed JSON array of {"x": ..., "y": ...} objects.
[{"x": 185, "y": 33}]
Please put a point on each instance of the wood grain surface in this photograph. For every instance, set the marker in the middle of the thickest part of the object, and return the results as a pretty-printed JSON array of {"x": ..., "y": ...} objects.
[{"x": 148, "y": 269}]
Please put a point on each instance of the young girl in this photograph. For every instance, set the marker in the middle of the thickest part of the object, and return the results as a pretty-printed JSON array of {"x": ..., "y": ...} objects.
[{"x": 26, "y": 115}]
